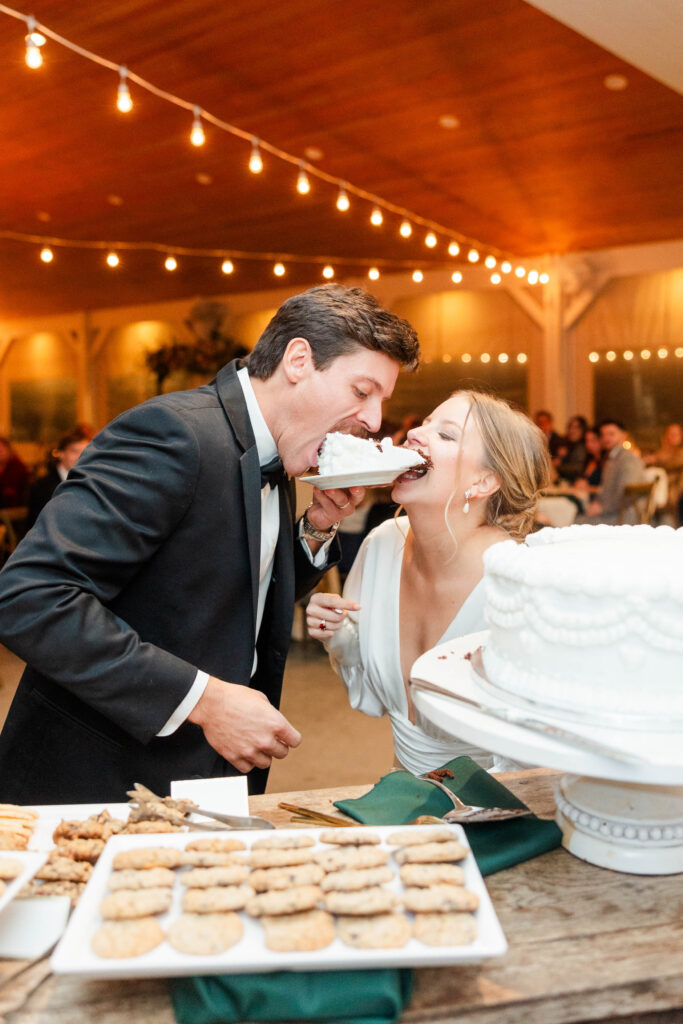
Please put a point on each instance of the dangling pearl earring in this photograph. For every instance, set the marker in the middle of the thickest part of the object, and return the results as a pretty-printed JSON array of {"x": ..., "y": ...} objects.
[{"x": 466, "y": 506}]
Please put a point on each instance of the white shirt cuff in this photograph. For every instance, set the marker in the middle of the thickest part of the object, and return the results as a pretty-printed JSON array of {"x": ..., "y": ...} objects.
[
  {"x": 319, "y": 559},
  {"x": 187, "y": 704}
]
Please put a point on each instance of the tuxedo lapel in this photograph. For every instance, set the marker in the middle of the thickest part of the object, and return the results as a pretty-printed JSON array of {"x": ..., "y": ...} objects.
[{"x": 231, "y": 398}]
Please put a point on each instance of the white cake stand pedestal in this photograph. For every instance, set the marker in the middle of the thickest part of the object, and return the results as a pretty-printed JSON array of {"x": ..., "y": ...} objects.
[{"x": 622, "y": 816}]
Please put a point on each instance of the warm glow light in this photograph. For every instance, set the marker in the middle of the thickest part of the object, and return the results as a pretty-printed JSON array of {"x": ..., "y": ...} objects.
[
  {"x": 328, "y": 272},
  {"x": 610, "y": 356},
  {"x": 678, "y": 353},
  {"x": 466, "y": 357},
  {"x": 473, "y": 256},
  {"x": 406, "y": 229},
  {"x": 506, "y": 267},
  {"x": 522, "y": 357},
  {"x": 456, "y": 277},
  {"x": 430, "y": 240},
  {"x": 376, "y": 217},
  {"x": 645, "y": 353},
  {"x": 503, "y": 357},
  {"x": 343, "y": 200},
  {"x": 520, "y": 272},
  {"x": 628, "y": 355},
  {"x": 532, "y": 277},
  {"x": 417, "y": 276},
  {"x": 490, "y": 262},
  {"x": 34, "y": 40},
  {"x": 662, "y": 353},
  {"x": 544, "y": 278},
  {"x": 171, "y": 263},
  {"x": 594, "y": 357},
  {"x": 279, "y": 270},
  {"x": 373, "y": 273},
  {"x": 303, "y": 185},
  {"x": 485, "y": 357},
  {"x": 496, "y": 278},
  {"x": 227, "y": 266},
  {"x": 446, "y": 357},
  {"x": 627, "y": 445},
  {"x": 255, "y": 158},
  {"x": 46, "y": 255},
  {"x": 124, "y": 101},
  {"x": 453, "y": 249},
  {"x": 112, "y": 260},
  {"x": 197, "y": 137}
]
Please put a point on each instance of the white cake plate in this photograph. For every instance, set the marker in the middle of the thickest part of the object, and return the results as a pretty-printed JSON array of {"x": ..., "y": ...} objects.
[{"x": 619, "y": 815}]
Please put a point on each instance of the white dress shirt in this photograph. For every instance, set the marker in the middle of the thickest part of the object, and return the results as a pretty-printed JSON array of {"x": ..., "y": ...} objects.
[{"x": 270, "y": 529}]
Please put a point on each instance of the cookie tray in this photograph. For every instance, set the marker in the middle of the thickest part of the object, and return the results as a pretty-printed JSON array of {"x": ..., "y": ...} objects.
[{"x": 74, "y": 955}]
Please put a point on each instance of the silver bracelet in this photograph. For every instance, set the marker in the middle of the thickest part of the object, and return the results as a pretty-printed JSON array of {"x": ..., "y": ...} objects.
[{"x": 310, "y": 530}]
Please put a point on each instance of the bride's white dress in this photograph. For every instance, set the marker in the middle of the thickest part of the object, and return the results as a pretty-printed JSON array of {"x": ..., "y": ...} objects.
[{"x": 365, "y": 652}]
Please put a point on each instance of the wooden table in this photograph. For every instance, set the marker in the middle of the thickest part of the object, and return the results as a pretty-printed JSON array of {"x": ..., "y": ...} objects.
[{"x": 585, "y": 945}]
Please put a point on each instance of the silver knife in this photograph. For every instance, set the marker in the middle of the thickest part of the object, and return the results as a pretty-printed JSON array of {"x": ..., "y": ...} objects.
[
  {"x": 536, "y": 724},
  {"x": 233, "y": 820}
]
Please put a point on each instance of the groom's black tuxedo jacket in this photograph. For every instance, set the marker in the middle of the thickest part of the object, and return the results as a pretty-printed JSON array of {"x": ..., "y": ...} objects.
[{"x": 143, "y": 568}]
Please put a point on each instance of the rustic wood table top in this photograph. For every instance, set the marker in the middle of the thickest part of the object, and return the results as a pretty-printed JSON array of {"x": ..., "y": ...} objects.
[{"x": 585, "y": 944}]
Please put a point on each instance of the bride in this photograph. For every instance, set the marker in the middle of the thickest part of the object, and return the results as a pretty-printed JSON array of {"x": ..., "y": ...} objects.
[{"x": 417, "y": 579}]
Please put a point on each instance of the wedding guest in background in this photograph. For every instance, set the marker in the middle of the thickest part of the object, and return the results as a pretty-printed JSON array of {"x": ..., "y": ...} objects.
[
  {"x": 669, "y": 456},
  {"x": 62, "y": 458},
  {"x": 588, "y": 483},
  {"x": 572, "y": 454},
  {"x": 620, "y": 467},
  {"x": 14, "y": 477},
  {"x": 544, "y": 421},
  {"x": 417, "y": 580}
]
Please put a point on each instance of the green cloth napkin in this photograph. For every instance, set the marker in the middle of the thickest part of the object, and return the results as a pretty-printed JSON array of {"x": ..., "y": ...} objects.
[
  {"x": 364, "y": 997},
  {"x": 399, "y": 797}
]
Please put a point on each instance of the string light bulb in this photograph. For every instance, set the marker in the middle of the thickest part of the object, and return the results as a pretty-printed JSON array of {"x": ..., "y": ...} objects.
[
  {"x": 544, "y": 278},
  {"x": 456, "y": 277},
  {"x": 628, "y": 355},
  {"x": 112, "y": 259},
  {"x": 520, "y": 272},
  {"x": 594, "y": 357},
  {"x": 34, "y": 41},
  {"x": 430, "y": 240},
  {"x": 279, "y": 270},
  {"x": 453, "y": 249},
  {"x": 197, "y": 136},
  {"x": 496, "y": 278},
  {"x": 418, "y": 276},
  {"x": 485, "y": 357},
  {"x": 376, "y": 217},
  {"x": 46, "y": 254},
  {"x": 503, "y": 357},
  {"x": 532, "y": 277},
  {"x": 255, "y": 159},
  {"x": 303, "y": 185},
  {"x": 343, "y": 202},
  {"x": 373, "y": 273},
  {"x": 522, "y": 358},
  {"x": 227, "y": 267},
  {"x": 406, "y": 229},
  {"x": 506, "y": 267},
  {"x": 490, "y": 262},
  {"x": 124, "y": 100},
  {"x": 171, "y": 263},
  {"x": 328, "y": 272},
  {"x": 473, "y": 256},
  {"x": 466, "y": 357}
]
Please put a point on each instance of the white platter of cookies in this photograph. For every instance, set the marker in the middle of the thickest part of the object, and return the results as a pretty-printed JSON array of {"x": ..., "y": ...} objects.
[{"x": 257, "y": 901}]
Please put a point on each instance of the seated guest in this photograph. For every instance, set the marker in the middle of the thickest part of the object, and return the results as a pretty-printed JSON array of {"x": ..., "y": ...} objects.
[
  {"x": 14, "y": 477},
  {"x": 544, "y": 421},
  {"x": 670, "y": 452},
  {"x": 620, "y": 468},
  {"x": 62, "y": 458},
  {"x": 587, "y": 485},
  {"x": 572, "y": 454},
  {"x": 417, "y": 580}
]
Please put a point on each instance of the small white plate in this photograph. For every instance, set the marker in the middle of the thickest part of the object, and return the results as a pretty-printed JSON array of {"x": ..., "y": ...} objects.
[
  {"x": 366, "y": 478},
  {"x": 29, "y": 927},
  {"x": 30, "y": 861}
]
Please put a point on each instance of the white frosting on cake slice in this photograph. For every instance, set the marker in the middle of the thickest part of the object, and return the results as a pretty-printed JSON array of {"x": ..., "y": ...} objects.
[
  {"x": 344, "y": 453},
  {"x": 589, "y": 619}
]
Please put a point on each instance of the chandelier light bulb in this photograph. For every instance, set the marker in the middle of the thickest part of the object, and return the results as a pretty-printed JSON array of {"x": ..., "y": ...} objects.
[
  {"x": 112, "y": 259},
  {"x": 279, "y": 270},
  {"x": 373, "y": 273},
  {"x": 342, "y": 200},
  {"x": 303, "y": 185},
  {"x": 418, "y": 276},
  {"x": 453, "y": 249},
  {"x": 328, "y": 272},
  {"x": 406, "y": 229},
  {"x": 376, "y": 217},
  {"x": 473, "y": 256},
  {"x": 430, "y": 240},
  {"x": 506, "y": 267},
  {"x": 532, "y": 277},
  {"x": 544, "y": 278},
  {"x": 496, "y": 278},
  {"x": 227, "y": 267},
  {"x": 520, "y": 272},
  {"x": 46, "y": 254},
  {"x": 197, "y": 137},
  {"x": 490, "y": 262},
  {"x": 124, "y": 101},
  {"x": 255, "y": 159},
  {"x": 171, "y": 263},
  {"x": 456, "y": 277}
]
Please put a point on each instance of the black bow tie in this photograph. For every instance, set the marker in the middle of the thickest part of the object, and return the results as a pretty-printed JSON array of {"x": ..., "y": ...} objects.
[{"x": 273, "y": 472}]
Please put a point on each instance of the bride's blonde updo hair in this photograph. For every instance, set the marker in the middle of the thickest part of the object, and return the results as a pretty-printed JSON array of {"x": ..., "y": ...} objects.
[{"x": 516, "y": 451}]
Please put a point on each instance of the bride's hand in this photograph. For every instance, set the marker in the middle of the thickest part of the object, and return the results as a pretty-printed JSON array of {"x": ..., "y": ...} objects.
[{"x": 325, "y": 614}]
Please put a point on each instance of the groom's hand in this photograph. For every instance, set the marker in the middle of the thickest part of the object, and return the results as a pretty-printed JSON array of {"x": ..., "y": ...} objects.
[{"x": 242, "y": 725}]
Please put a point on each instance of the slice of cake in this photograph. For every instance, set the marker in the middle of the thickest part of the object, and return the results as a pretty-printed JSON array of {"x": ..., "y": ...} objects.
[
  {"x": 343, "y": 454},
  {"x": 588, "y": 620}
]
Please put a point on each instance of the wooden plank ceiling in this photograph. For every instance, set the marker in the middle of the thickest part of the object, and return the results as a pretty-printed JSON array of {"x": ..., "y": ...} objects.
[{"x": 545, "y": 158}]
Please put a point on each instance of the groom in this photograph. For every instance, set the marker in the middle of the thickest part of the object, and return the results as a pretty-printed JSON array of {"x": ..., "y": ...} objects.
[{"x": 153, "y": 599}]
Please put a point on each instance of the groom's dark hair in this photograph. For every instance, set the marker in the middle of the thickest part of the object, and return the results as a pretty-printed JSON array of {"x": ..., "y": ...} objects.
[{"x": 335, "y": 321}]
